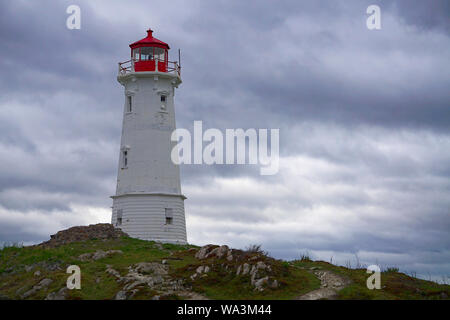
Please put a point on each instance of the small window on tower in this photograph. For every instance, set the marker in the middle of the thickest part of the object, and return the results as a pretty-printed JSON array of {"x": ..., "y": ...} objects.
[
  {"x": 119, "y": 217},
  {"x": 163, "y": 98},
  {"x": 125, "y": 159},
  {"x": 169, "y": 215},
  {"x": 129, "y": 104}
]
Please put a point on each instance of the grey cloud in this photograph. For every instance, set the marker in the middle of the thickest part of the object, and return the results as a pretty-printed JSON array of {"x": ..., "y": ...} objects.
[{"x": 372, "y": 108}]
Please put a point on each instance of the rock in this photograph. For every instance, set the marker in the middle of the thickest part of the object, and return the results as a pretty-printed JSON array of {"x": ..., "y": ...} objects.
[
  {"x": 98, "y": 280},
  {"x": 82, "y": 233},
  {"x": 37, "y": 273},
  {"x": 85, "y": 256},
  {"x": 151, "y": 268},
  {"x": 201, "y": 254},
  {"x": 245, "y": 269},
  {"x": 230, "y": 258},
  {"x": 274, "y": 284},
  {"x": 99, "y": 254},
  {"x": 164, "y": 262},
  {"x": 238, "y": 271},
  {"x": 261, "y": 265},
  {"x": 194, "y": 276},
  {"x": 45, "y": 282},
  {"x": 259, "y": 283},
  {"x": 253, "y": 271},
  {"x": 41, "y": 285},
  {"x": 113, "y": 272},
  {"x": 220, "y": 251},
  {"x": 200, "y": 269},
  {"x": 155, "y": 297},
  {"x": 28, "y": 268},
  {"x": 121, "y": 295},
  {"x": 206, "y": 269},
  {"x": 57, "y": 295}
]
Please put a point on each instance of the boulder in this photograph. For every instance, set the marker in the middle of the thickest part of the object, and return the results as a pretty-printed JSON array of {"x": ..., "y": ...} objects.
[{"x": 201, "y": 254}]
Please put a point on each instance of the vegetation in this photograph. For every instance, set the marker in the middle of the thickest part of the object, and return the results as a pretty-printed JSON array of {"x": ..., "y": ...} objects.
[{"x": 21, "y": 268}]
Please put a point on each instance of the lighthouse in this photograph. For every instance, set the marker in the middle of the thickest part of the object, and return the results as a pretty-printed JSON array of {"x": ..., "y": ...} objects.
[{"x": 148, "y": 203}]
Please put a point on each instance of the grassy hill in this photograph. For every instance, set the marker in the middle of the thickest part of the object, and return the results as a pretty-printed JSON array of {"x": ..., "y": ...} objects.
[{"x": 127, "y": 268}]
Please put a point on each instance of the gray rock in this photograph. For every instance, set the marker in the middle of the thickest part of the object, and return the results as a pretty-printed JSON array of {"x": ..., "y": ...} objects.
[
  {"x": 200, "y": 269},
  {"x": 259, "y": 283},
  {"x": 245, "y": 269},
  {"x": 151, "y": 268},
  {"x": 37, "y": 273},
  {"x": 121, "y": 295},
  {"x": 274, "y": 284},
  {"x": 99, "y": 254},
  {"x": 58, "y": 295},
  {"x": 41, "y": 285},
  {"x": 202, "y": 253},
  {"x": 261, "y": 265}
]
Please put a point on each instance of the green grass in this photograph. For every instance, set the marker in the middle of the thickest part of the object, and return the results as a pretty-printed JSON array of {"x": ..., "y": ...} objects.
[
  {"x": 394, "y": 285},
  {"x": 295, "y": 278}
]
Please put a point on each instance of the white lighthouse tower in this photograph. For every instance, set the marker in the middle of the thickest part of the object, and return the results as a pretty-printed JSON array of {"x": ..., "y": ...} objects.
[{"x": 148, "y": 203}]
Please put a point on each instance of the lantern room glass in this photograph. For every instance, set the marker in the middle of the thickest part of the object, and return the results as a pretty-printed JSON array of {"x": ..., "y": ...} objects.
[{"x": 149, "y": 53}]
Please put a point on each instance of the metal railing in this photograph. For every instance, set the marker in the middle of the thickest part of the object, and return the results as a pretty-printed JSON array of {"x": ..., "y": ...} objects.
[{"x": 128, "y": 66}]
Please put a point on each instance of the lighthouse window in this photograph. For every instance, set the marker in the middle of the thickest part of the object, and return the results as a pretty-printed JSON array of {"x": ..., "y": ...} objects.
[
  {"x": 169, "y": 215},
  {"x": 125, "y": 159},
  {"x": 159, "y": 54},
  {"x": 136, "y": 54},
  {"x": 119, "y": 217},
  {"x": 163, "y": 98},
  {"x": 146, "y": 54},
  {"x": 129, "y": 104}
]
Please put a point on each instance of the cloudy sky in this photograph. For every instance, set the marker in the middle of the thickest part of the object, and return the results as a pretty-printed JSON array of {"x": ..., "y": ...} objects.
[{"x": 364, "y": 119}]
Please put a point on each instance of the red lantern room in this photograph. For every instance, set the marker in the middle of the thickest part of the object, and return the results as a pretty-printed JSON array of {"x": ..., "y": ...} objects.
[{"x": 149, "y": 54}]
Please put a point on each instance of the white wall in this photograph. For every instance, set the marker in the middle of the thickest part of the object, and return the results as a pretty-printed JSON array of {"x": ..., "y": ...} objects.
[{"x": 150, "y": 182}]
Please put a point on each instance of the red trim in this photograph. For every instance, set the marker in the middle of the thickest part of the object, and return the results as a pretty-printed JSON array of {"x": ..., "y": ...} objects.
[{"x": 149, "y": 41}]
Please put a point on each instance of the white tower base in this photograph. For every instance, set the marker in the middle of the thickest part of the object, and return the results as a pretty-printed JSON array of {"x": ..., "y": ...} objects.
[{"x": 151, "y": 216}]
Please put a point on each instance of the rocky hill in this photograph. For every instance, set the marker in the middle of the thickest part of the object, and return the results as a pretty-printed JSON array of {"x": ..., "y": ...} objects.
[{"x": 114, "y": 266}]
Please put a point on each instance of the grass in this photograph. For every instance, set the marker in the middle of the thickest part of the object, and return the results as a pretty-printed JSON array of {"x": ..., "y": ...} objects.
[
  {"x": 394, "y": 285},
  {"x": 295, "y": 277}
]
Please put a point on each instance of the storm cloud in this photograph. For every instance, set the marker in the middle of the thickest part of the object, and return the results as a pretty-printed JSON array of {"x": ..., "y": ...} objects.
[{"x": 364, "y": 122}]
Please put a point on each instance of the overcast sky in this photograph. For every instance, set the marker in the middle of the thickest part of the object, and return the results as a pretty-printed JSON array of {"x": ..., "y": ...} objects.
[{"x": 364, "y": 119}]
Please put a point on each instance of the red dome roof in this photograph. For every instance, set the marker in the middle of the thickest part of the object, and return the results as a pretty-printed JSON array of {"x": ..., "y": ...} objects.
[{"x": 149, "y": 41}]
